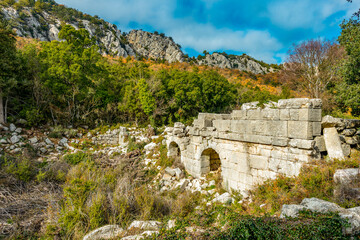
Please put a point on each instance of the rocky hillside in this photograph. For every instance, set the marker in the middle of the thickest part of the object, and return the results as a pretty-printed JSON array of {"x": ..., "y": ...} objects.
[
  {"x": 43, "y": 21},
  {"x": 242, "y": 63}
]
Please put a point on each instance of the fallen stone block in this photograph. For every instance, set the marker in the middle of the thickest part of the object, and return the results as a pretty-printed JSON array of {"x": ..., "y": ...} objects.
[
  {"x": 346, "y": 176},
  {"x": 333, "y": 144}
]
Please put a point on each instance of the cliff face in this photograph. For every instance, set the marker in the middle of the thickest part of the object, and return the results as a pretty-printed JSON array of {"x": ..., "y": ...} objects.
[
  {"x": 45, "y": 24},
  {"x": 45, "y": 27},
  {"x": 155, "y": 46},
  {"x": 242, "y": 63}
]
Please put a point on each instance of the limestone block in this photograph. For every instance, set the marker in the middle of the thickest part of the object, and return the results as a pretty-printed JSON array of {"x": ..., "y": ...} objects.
[
  {"x": 274, "y": 164},
  {"x": 222, "y": 125},
  {"x": 277, "y": 128},
  {"x": 329, "y": 121},
  {"x": 320, "y": 144},
  {"x": 238, "y": 126},
  {"x": 303, "y": 144},
  {"x": 294, "y": 103},
  {"x": 300, "y": 129},
  {"x": 258, "y": 127},
  {"x": 270, "y": 114},
  {"x": 351, "y": 140},
  {"x": 351, "y": 123},
  {"x": 349, "y": 132},
  {"x": 251, "y": 105},
  {"x": 294, "y": 114},
  {"x": 346, "y": 149},
  {"x": 253, "y": 114},
  {"x": 179, "y": 125},
  {"x": 346, "y": 176},
  {"x": 332, "y": 143},
  {"x": 284, "y": 114},
  {"x": 316, "y": 128},
  {"x": 280, "y": 141},
  {"x": 258, "y": 162},
  {"x": 238, "y": 114},
  {"x": 309, "y": 114},
  {"x": 316, "y": 103}
]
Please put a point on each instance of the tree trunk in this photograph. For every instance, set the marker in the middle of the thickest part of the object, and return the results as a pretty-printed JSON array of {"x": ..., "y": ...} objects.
[{"x": 2, "y": 112}]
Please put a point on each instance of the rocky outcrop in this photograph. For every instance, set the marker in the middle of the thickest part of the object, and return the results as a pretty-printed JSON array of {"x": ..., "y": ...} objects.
[
  {"x": 46, "y": 26},
  {"x": 242, "y": 63},
  {"x": 155, "y": 46},
  {"x": 322, "y": 206}
]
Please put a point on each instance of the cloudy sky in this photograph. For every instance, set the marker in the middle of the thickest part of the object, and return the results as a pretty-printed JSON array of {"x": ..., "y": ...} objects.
[{"x": 263, "y": 29}]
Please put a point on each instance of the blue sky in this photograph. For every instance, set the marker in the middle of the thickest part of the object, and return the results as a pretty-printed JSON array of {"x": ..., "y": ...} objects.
[{"x": 263, "y": 29}]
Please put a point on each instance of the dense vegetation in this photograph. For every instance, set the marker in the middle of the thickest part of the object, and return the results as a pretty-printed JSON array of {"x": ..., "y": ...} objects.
[{"x": 69, "y": 82}]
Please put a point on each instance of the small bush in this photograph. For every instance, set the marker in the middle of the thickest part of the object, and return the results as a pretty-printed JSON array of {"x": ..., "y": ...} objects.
[
  {"x": 76, "y": 158},
  {"x": 21, "y": 168}
]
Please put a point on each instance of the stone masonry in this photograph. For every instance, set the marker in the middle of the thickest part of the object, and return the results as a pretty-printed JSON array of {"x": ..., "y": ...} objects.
[{"x": 250, "y": 145}]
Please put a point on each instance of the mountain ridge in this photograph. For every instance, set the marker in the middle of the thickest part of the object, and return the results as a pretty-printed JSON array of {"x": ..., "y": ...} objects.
[{"x": 43, "y": 21}]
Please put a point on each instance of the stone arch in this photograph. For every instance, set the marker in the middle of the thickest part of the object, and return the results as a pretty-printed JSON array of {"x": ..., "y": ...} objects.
[
  {"x": 209, "y": 161},
  {"x": 174, "y": 150}
]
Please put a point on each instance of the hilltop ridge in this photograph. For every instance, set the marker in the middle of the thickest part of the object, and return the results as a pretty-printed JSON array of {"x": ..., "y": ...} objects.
[{"x": 43, "y": 21}]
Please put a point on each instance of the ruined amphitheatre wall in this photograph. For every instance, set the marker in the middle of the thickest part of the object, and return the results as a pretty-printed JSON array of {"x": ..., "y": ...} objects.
[{"x": 250, "y": 145}]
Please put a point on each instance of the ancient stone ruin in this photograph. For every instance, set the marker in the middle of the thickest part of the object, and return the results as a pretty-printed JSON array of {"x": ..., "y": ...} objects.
[{"x": 253, "y": 144}]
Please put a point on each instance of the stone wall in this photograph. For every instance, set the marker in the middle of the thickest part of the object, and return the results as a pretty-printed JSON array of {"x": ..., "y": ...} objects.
[
  {"x": 112, "y": 137},
  {"x": 253, "y": 144}
]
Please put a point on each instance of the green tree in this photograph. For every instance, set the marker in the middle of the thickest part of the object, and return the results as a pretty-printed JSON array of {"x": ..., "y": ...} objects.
[
  {"x": 71, "y": 71},
  {"x": 8, "y": 65},
  {"x": 147, "y": 100},
  {"x": 348, "y": 91}
]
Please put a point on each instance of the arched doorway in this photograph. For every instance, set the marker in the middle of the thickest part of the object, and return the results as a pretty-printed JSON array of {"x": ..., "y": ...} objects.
[
  {"x": 210, "y": 161},
  {"x": 174, "y": 151}
]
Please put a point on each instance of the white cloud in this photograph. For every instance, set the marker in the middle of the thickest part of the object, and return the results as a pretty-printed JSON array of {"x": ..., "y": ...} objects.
[{"x": 308, "y": 14}]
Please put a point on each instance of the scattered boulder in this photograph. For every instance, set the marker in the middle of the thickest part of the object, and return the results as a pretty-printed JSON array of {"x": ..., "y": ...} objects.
[
  {"x": 105, "y": 232},
  {"x": 224, "y": 198},
  {"x": 33, "y": 140},
  {"x": 322, "y": 206},
  {"x": 15, "y": 139},
  {"x": 12, "y": 127},
  {"x": 145, "y": 225},
  {"x": 346, "y": 176},
  {"x": 149, "y": 147}
]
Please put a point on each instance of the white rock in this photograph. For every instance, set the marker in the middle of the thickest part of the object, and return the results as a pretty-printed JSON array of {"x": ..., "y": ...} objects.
[
  {"x": 346, "y": 176},
  {"x": 170, "y": 171},
  {"x": 12, "y": 127},
  {"x": 149, "y": 147},
  {"x": 212, "y": 183},
  {"x": 291, "y": 210},
  {"x": 145, "y": 225},
  {"x": 319, "y": 205},
  {"x": 224, "y": 198},
  {"x": 171, "y": 224},
  {"x": 48, "y": 141},
  {"x": 15, "y": 139},
  {"x": 105, "y": 232},
  {"x": 33, "y": 140}
]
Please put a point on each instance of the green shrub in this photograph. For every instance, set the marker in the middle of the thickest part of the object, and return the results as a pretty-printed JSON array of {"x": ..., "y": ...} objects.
[
  {"x": 76, "y": 158},
  {"x": 21, "y": 168}
]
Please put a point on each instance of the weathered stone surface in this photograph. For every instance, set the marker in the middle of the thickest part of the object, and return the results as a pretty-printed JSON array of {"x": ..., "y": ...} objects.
[
  {"x": 145, "y": 225},
  {"x": 329, "y": 121},
  {"x": 105, "y": 232},
  {"x": 333, "y": 144},
  {"x": 224, "y": 198},
  {"x": 346, "y": 149},
  {"x": 302, "y": 144},
  {"x": 319, "y": 205},
  {"x": 12, "y": 127},
  {"x": 351, "y": 140},
  {"x": 179, "y": 125},
  {"x": 291, "y": 210},
  {"x": 300, "y": 129},
  {"x": 320, "y": 143},
  {"x": 349, "y": 132},
  {"x": 346, "y": 176},
  {"x": 15, "y": 139}
]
